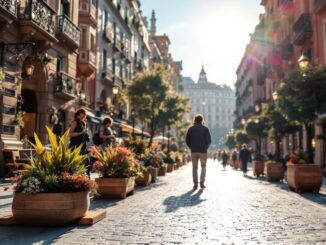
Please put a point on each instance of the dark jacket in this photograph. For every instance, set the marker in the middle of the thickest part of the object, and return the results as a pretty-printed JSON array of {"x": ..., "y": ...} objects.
[
  {"x": 245, "y": 155},
  {"x": 198, "y": 138}
]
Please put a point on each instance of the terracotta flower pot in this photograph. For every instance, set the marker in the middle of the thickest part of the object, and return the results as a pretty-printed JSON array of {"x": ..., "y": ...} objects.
[
  {"x": 258, "y": 168},
  {"x": 162, "y": 171},
  {"x": 154, "y": 174},
  {"x": 145, "y": 179},
  {"x": 274, "y": 171},
  {"x": 304, "y": 177},
  {"x": 115, "y": 187},
  {"x": 51, "y": 209},
  {"x": 170, "y": 168}
]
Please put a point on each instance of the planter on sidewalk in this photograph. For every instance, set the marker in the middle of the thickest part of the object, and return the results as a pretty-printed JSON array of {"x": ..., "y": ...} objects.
[
  {"x": 274, "y": 171},
  {"x": 115, "y": 187},
  {"x": 51, "y": 209},
  {"x": 170, "y": 167},
  {"x": 304, "y": 177},
  {"x": 258, "y": 168},
  {"x": 162, "y": 170},
  {"x": 145, "y": 179},
  {"x": 154, "y": 174}
]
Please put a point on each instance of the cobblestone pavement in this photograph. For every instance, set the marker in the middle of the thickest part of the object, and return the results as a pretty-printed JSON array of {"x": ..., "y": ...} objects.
[{"x": 232, "y": 210}]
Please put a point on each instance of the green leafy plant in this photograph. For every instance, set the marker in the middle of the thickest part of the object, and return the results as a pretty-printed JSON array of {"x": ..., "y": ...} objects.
[
  {"x": 48, "y": 170},
  {"x": 19, "y": 119}
]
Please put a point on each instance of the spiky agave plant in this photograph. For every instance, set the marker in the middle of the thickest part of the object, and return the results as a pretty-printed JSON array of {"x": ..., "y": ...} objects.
[{"x": 59, "y": 158}]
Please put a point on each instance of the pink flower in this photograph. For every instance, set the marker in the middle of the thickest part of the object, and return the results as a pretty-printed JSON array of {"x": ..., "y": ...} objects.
[{"x": 6, "y": 188}]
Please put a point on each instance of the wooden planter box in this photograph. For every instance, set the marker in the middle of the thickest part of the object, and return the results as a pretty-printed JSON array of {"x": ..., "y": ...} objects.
[
  {"x": 274, "y": 171},
  {"x": 178, "y": 164},
  {"x": 154, "y": 174},
  {"x": 304, "y": 177},
  {"x": 170, "y": 168},
  {"x": 145, "y": 179},
  {"x": 115, "y": 187},
  {"x": 50, "y": 209},
  {"x": 162, "y": 171},
  {"x": 258, "y": 168}
]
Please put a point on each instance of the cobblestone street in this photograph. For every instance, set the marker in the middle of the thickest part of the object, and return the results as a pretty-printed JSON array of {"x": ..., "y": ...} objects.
[{"x": 232, "y": 210}]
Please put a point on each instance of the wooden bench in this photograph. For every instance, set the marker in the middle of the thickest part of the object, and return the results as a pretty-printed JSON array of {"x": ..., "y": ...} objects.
[{"x": 15, "y": 160}]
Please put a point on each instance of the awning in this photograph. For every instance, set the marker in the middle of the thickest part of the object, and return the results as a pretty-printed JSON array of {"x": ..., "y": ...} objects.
[
  {"x": 129, "y": 129},
  {"x": 92, "y": 118}
]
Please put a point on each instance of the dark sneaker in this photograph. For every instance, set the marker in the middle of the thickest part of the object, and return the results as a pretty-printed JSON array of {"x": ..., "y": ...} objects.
[
  {"x": 195, "y": 187},
  {"x": 202, "y": 185}
]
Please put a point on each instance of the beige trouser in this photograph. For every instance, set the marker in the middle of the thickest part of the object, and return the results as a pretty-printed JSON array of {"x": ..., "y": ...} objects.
[{"x": 195, "y": 157}]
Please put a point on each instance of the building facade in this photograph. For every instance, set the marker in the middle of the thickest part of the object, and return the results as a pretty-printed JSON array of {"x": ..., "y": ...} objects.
[
  {"x": 215, "y": 102},
  {"x": 285, "y": 31}
]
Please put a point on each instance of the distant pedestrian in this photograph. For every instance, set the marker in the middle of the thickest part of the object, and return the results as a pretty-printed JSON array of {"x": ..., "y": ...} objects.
[
  {"x": 234, "y": 157},
  {"x": 224, "y": 159},
  {"x": 198, "y": 139},
  {"x": 106, "y": 133},
  {"x": 215, "y": 156},
  {"x": 78, "y": 133},
  {"x": 245, "y": 157}
]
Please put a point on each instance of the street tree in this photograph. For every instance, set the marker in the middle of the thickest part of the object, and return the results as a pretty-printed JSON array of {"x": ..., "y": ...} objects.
[
  {"x": 147, "y": 93},
  {"x": 302, "y": 98},
  {"x": 256, "y": 129},
  {"x": 241, "y": 138},
  {"x": 230, "y": 141}
]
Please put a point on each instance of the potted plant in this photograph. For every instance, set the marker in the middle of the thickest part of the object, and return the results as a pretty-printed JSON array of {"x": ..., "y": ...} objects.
[
  {"x": 170, "y": 163},
  {"x": 274, "y": 170},
  {"x": 302, "y": 176},
  {"x": 117, "y": 168},
  {"x": 145, "y": 177},
  {"x": 54, "y": 189}
]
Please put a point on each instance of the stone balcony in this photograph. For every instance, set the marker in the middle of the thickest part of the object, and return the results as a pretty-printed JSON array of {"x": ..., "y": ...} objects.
[
  {"x": 107, "y": 74},
  {"x": 38, "y": 21},
  {"x": 64, "y": 86},
  {"x": 68, "y": 32},
  {"x": 87, "y": 62}
]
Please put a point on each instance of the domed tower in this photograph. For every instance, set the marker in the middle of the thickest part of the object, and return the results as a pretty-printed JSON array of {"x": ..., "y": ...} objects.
[{"x": 202, "y": 76}]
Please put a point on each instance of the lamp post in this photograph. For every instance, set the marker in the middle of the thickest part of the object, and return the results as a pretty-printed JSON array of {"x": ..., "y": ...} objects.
[
  {"x": 115, "y": 91},
  {"x": 133, "y": 114}
]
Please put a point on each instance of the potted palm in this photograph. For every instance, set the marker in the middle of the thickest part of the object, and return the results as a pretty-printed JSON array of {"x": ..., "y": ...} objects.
[
  {"x": 302, "y": 176},
  {"x": 118, "y": 169},
  {"x": 54, "y": 189}
]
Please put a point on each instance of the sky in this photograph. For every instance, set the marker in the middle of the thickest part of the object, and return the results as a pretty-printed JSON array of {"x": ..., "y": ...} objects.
[{"x": 209, "y": 33}]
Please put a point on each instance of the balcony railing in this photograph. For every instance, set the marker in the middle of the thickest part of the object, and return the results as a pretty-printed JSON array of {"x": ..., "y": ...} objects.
[
  {"x": 87, "y": 57},
  {"x": 117, "y": 45},
  {"x": 302, "y": 29},
  {"x": 41, "y": 14},
  {"x": 65, "y": 85},
  {"x": 107, "y": 74},
  {"x": 10, "y": 6},
  {"x": 108, "y": 33},
  {"x": 69, "y": 30},
  {"x": 319, "y": 5}
]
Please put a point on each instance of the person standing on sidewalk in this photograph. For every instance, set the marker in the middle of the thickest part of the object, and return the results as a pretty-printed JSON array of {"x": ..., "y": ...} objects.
[
  {"x": 198, "y": 139},
  {"x": 245, "y": 157},
  {"x": 224, "y": 159}
]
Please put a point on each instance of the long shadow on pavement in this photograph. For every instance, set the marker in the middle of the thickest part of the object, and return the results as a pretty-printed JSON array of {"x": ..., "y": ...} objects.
[{"x": 173, "y": 203}]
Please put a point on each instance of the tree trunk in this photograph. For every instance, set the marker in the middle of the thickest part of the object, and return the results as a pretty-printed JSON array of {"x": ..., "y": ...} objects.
[
  {"x": 168, "y": 137},
  {"x": 277, "y": 150},
  {"x": 152, "y": 126},
  {"x": 259, "y": 148},
  {"x": 309, "y": 131},
  {"x": 163, "y": 131}
]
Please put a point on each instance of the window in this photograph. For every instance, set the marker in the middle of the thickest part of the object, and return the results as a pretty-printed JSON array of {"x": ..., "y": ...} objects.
[
  {"x": 93, "y": 43},
  {"x": 83, "y": 38},
  {"x": 59, "y": 64},
  {"x": 104, "y": 19},
  {"x": 104, "y": 59},
  {"x": 65, "y": 8}
]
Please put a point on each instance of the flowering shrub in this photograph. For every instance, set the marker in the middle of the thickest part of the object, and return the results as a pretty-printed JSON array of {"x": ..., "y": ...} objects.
[
  {"x": 153, "y": 158},
  {"x": 138, "y": 146},
  {"x": 297, "y": 157},
  {"x": 59, "y": 170},
  {"x": 116, "y": 162}
]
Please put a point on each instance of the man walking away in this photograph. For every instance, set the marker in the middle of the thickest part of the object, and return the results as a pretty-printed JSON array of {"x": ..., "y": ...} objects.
[
  {"x": 245, "y": 156},
  {"x": 198, "y": 140}
]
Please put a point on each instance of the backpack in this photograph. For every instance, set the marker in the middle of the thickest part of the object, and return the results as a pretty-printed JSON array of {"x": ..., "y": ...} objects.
[{"x": 97, "y": 139}]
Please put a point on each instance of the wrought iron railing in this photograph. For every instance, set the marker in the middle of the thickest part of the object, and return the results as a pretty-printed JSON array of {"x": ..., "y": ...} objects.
[
  {"x": 302, "y": 28},
  {"x": 10, "y": 6},
  {"x": 68, "y": 28},
  {"x": 64, "y": 84},
  {"x": 41, "y": 14}
]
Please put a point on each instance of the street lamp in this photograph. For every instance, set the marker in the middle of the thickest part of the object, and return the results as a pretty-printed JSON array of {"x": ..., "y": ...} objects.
[
  {"x": 275, "y": 96},
  {"x": 243, "y": 121},
  {"x": 115, "y": 90},
  {"x": 303, "y": 62},
  {"x": 257, "y": 108}
]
